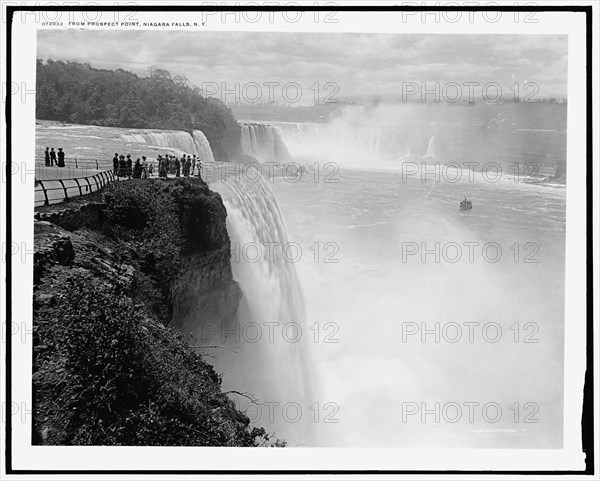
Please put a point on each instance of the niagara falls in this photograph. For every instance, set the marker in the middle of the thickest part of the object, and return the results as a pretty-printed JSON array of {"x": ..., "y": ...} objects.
[{"x": 370, "y": 263}]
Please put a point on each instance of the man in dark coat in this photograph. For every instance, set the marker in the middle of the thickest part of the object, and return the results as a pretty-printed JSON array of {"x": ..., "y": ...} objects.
[
  {"x": 52, "y": 157},
  {"x": 122, "y": 166},
  {"x": 61, "y": 157},
  {"x": 137, "y": 170},
  {"x": 47, "y": 156},
  {"x": 116, "y": 163},
  {"x": 177, "y": 166}
]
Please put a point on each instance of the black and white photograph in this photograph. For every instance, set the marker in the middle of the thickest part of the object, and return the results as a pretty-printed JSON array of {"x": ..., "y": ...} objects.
[{"x": 346, "y": 234}]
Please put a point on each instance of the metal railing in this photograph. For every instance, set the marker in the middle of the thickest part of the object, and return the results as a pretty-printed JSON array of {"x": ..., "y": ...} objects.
[
  {"x": 77, "y": 163},
  {"x": 78, "y": 186}
]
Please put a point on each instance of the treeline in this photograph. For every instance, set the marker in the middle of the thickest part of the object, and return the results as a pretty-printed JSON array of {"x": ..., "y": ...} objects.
[{"x": 79, "y": 93}]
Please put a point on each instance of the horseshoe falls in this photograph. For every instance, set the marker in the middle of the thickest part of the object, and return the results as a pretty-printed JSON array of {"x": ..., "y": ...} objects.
[{"x": 401, "y": 294}]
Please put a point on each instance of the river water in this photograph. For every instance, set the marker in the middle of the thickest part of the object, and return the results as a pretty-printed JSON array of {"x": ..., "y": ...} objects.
[{"x": 487, "y": 283}]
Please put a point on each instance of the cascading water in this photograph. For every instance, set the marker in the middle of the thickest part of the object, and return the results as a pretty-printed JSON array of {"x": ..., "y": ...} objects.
[
  {"x": 263, "y": 142},
  {"x": 176, "y": 141},
  {"x": 270, "y": 362},
  {"x": 202, "y": 146},
  {"x": 347, "y": 143}
]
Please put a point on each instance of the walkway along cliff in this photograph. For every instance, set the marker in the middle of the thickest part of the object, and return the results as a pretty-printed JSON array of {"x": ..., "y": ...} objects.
[{"x": 120, "y": 277}]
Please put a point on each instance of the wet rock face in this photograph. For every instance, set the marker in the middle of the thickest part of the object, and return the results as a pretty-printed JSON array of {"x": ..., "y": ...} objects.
[{"x": 205, "y": 293}]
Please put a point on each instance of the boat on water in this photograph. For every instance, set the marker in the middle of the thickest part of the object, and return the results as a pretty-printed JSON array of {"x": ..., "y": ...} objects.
[{"x": 465, "y": 204}]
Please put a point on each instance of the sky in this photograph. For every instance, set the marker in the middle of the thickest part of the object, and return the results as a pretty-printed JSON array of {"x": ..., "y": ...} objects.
[{"x": 341, "y": 65}]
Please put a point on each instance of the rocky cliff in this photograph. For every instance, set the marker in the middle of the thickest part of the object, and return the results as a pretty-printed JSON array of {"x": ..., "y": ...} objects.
[{"x": 116, "y": 278}]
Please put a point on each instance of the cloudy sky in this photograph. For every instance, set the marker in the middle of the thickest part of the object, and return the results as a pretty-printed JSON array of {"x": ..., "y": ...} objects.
[{"x": 361, "y": 65}]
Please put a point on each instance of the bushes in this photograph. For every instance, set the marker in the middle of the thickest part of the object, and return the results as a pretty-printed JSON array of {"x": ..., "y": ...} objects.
[{"x": 108, "y": 374}]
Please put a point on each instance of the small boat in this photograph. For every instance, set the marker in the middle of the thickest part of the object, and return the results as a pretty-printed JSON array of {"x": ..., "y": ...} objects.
[{"x": 465, "y": 204}]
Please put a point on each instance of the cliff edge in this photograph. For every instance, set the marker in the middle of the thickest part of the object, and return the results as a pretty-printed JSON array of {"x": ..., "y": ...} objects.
[{"x": 116, "y": 280}]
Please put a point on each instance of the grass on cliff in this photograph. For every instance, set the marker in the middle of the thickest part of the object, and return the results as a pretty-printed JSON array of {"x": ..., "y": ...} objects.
[{"x": 108, "y": 374}]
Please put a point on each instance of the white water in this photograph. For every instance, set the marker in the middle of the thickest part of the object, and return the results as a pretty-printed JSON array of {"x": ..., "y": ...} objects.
[
  {"x": 173, "y": 141},
  {"x": 371, "y": 292},
  {"x": 272, "y": 310},
  {"x": 335, "y": 142},
  {"x": 263, "y": 142},
  {"x": 370, "y": 373}
]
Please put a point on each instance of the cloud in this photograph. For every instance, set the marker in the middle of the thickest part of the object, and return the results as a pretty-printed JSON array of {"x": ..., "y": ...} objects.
[{"x": 362, "y": 63}]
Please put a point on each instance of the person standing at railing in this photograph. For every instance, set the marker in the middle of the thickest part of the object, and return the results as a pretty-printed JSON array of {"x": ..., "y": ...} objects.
[
  {"x": 177, "y": 166},
  {"x": 199, "y": 165},
  {"x": 193, "y": 165},
  {"x": 52, "y": 157},
  {"x": 116, "y": 164},
  {"x": 47, "y": 156},
  {"x": 61, "y": 157}
]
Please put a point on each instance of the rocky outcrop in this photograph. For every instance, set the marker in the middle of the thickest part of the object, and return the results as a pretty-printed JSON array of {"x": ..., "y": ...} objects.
[
  {"x": 111, "y": 299},
  {"x": 84, "y": 215},
  {"x": 201, "y": 288},
  {"x": 204, "y": 292}
]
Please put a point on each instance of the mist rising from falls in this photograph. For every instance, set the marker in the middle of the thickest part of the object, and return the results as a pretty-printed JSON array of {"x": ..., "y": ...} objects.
[
  {"x": 177, "y": 142},
  {"x": 431, "y": 148},
  {"x": 352, "y": 139},
  {"x": 273, "y": 367}
]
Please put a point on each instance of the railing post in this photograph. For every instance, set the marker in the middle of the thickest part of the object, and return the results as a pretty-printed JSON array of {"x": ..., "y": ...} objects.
[
  {"x": 46, "y": 202},
  {"x": 96, "y": 164},
  {"x": 89, "y": 185},
  {"x": 64, "y": 189},
  {"x": 76, "y": 163},
  {"x": 78, "y": 185}
]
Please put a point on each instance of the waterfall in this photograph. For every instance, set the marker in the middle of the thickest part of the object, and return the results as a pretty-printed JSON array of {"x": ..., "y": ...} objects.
[
  {"x": 346, "y": 142},
  {"x": 272, "y": 369},
  {"x": 174, "y": 141},
  {"x": 264, "y": 142},
  {"x": 202, "y": 146}
]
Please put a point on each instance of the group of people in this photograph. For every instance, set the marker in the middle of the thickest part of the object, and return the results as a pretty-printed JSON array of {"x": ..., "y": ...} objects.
[
  {"x": 123, "y": 166},
  {"x": 186, "y": 166},
  {"x": 53, "y": 158}
]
